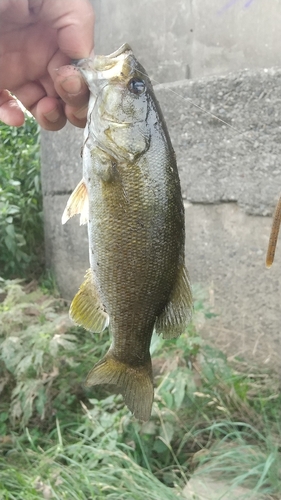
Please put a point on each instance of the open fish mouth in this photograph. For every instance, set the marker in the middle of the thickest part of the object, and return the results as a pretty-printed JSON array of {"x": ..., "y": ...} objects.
[{"x": 104, "y": 67}]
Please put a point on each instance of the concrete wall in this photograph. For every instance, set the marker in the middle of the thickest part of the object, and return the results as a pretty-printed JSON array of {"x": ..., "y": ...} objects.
[
  {"x": 192, "y": 38},
  {"x": 231, "y": 176}
]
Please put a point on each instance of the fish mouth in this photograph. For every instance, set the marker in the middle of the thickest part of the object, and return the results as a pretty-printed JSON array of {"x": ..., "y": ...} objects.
[
  {"x": 104, "y": 67},
  {"x": 104, "y": 63},
  {"x": 125, "y": 48}
]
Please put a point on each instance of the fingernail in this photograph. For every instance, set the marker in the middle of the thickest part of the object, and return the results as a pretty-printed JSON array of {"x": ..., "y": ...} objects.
[
  {"x": 72, "y": 85},
  {"x": 81, "y": 113},
  {"x": 53, "y": 115}
]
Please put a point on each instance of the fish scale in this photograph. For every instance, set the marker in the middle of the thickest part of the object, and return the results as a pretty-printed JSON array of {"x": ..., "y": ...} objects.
[{"x": 130, "y": 197}]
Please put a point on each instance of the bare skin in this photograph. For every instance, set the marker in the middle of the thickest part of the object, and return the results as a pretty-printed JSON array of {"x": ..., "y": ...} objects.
[{"x": 38, "y": 40}]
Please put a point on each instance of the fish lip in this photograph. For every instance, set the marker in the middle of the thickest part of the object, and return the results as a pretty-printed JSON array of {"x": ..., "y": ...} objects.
[
  {"x": 86, "y": 64},
  {"x": 98, "y": 71},
  {"x": 124, "y": 48},
  {"x": 103, "y": 63},
  {"x": 89, "y": 73}
]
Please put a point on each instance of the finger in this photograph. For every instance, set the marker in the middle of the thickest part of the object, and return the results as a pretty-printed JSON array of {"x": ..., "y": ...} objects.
[
  {"x": 48, "y": 110},
  {"x": 76, "y": 116},
  {"x": 75, "y": 32},
  {"x": 73, "y": 90},
  {"x": 71, "y": 87},
  {"x": 13, "y": 11},
  {"x": 49, "y": 113},
  {"x": 10, "y": 111},
  {"x": 35, "y": 6}
]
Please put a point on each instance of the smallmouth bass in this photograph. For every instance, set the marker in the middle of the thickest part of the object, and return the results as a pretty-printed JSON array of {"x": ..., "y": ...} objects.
[{"x": 130, "y": 197}]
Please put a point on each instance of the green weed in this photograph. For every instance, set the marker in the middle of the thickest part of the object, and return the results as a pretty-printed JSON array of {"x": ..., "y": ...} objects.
[
  {"x": 47, "y": 283},
  {"x": 40, "y": 355},
  {"x": 21, "y": 227},
  {"x": 80, "y": 470},
  {"x": 209, "y": 417}
]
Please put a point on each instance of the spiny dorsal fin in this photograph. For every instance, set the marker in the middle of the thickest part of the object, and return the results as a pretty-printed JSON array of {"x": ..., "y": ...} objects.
[
  {"x": 86, "y": 308},
  {"x": 177, "y": 313},
  {"x": 78, "y": 203}
]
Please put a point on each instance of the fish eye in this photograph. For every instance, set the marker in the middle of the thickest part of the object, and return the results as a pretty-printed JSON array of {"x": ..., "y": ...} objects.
[{"x": 136, "y": 86}]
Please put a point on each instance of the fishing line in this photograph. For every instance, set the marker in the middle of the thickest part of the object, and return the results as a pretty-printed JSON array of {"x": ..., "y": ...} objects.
[
  {"x": 200, "y": 108},
  {"x": 187, "y": 99},
  {"x": 276, "y": 223},
  {"x": 277, "y": 214}
]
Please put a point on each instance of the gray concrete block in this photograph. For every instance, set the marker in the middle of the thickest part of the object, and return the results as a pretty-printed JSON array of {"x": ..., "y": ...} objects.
[
  {"x": 225, "y": 253},
  {"x": 218, "y": 163},
  {"x": 191, "y": 39},
  {"x": 159, "y": 32},
  {"x": 66, "y": 246},
  {"x": 61, "y": 160}
]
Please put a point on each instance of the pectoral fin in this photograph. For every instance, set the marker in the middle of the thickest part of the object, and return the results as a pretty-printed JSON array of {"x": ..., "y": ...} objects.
[
  {"x": 177, "y": 313},
  {"x": 86, "y": 308},
  {"x": 78, "y": 203},
  {"x": 103, "y": 164}
]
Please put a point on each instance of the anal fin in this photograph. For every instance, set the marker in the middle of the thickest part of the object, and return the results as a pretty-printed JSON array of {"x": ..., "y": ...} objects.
[
  {"x": 86, "y": 308},
  {"x": 78, "y": 203},
  {"x": 178, "y": 311}
]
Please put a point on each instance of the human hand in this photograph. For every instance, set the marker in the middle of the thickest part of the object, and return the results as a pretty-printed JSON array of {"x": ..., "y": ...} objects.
[{"x": 38, "y": 40}]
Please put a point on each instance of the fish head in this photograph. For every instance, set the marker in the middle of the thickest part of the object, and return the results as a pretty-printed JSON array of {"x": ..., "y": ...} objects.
[{"x": 120, "y": 102}]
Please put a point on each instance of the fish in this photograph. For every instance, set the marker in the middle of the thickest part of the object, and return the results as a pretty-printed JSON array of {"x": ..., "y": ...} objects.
[{"x": 130, "y": 197}]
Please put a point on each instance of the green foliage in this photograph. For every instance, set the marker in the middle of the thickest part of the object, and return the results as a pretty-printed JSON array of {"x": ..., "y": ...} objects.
[
  {"x": 39, "y": 354},
  {"x": 21, "y": 228},
  {"x": 48, "y": 284},
  {"x": 209, "y": 417},
  {"x": 80, "y": 470}
]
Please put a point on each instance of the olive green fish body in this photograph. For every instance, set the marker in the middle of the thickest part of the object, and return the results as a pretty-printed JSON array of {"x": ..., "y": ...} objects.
[{"x": 131, "y": 190}]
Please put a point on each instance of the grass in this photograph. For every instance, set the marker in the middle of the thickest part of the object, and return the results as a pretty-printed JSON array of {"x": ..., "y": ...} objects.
[
  {"x": 81, "y": 471},
  {"x": 243, "y": 456},
  {"x": 21, "y": 226},
  {"x": 210, "y": 419}
]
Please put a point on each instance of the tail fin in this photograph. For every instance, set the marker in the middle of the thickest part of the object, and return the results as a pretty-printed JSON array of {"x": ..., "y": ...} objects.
[{"x": 135, "y": 384}]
